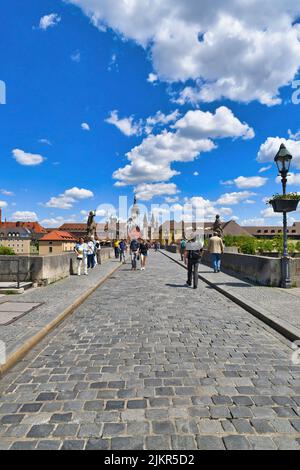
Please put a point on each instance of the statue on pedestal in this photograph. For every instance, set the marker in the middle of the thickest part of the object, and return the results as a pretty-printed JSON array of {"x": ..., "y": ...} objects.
[
  {"x": 217, "y": 227},
  {"x": 91, "y": 225}
]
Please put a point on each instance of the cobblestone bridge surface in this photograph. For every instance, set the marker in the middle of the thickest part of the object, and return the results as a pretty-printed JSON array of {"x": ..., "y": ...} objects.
[{"x": 146, "y": 363}]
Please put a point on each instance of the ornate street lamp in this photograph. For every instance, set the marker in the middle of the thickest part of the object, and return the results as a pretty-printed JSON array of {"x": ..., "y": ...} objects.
[{"x": 283, "y": 161}]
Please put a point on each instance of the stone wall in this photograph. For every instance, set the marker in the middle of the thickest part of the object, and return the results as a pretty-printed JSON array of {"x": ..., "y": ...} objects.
[
  {"x": 42, "y": 269},
  {"x": 259, "y": 269}
]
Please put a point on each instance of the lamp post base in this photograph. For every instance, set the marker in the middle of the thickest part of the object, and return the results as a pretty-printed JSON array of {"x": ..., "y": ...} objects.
[{"x": 286, "y": 282}]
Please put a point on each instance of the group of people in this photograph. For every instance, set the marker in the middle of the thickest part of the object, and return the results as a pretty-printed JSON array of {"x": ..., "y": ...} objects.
[
  {"x": 138, "y": 251},
  {"x": 88, "y": 251},
  {"x": 191, "y": 252}
]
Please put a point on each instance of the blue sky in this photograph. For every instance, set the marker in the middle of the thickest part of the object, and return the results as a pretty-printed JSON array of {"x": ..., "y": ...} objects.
[{"x": 214, "y": 116}]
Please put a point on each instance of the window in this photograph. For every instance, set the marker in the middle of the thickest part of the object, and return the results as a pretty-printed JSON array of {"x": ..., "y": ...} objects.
[{"x": 50, "y": 249}]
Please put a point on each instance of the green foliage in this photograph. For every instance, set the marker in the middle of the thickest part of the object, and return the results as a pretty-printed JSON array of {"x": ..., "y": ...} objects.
[
  {"x": 289, "y": 196},
  {"x": 297, "y": 247},
  {"x": 4, "y": 250}
]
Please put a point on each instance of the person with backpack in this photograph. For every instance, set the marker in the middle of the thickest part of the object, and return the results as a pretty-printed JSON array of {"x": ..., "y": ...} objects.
[
  {"x": 182, "y": 248},
  {"x": 192, "y": 257},
  {"x": 134, "y": 248}
]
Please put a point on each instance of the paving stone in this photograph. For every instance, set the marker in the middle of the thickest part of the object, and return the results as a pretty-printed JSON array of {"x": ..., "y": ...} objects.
[
  {"x": 158, "y": 443},
  {"x": 73, "y": 445},
  {"x": 241, "y": 412},
  {"x": 183, "y": 442},
  {"x": 24, "y": 445},
  {"x": 218, "y": 412},
  {"x": 90, "y": 430},
  {"x": 285, "y": 443},
  {"x": 97, "y": 444},
  {"x": 49, "y": 445},
  {"x": 236, "y": 443},
  {"x": 210, "y": 443},
  {"x": 138, "y": 428},
  {"x": 94, "y": 405},
  {"x": 61, "y": 418},
  {"x": 115, "y": 405},
  {"x": 242, "y": 426},
  {"x": 262, "y": 443},
  {"x": 262, "y": 426},
  {"x": 45, "y": 396},
  {"x": 31, "y": 408},
  {"x": 163, "y": 427},
  {"x": 127, "y": 443},
  {"x": 136, "y": 404},
  {"x": 113, "y": 429},
  {"x": 66, "y": 430},
  {"x": 12, "y": 419},
  {"x": 42, "y": 430}
]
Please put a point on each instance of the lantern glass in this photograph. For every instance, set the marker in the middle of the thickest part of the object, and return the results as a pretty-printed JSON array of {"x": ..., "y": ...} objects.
[{"x": 283, "y": 160}]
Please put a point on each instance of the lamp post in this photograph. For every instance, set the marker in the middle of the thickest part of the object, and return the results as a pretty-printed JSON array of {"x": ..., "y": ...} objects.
[{"x": 283, "y": 161}]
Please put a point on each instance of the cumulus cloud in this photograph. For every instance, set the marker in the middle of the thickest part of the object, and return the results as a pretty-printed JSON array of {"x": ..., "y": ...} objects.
[
  {"x": 145, "y": 192},
  {"x": 160, "y": 119},
  {"x": 228, "y": 48},
  {"x": 264, "y": 169},
  {"x": 243, "y": 182},
  {"x": 27, "y": 159},
  {"x": 3, "y": 204},
  {"x": 49, "y": 21},
  {"x": 152, "y": 78},
  {"x": 270, "y": 147},
  {"x": 151, "y": 161},
  {"x": 5, "y": 192},
  {"x": 24, "y": 216},
  {"x": 126, "y": 125},
  {"x": 199, "y": 124},
  {"x": 231, "y": 199},
  {"x": 68, "y": 198},
  {"x": 85, "y": 126},
  {"x": 45, "y": 141}
]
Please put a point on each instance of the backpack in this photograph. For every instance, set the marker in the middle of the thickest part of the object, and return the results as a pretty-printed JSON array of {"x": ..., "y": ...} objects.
[
  {"x": 134, "y": 246},
  {"x": 195, "y": 255}
]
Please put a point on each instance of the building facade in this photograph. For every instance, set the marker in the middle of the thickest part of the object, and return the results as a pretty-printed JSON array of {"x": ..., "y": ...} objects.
[{"x": 56, "y": 243}]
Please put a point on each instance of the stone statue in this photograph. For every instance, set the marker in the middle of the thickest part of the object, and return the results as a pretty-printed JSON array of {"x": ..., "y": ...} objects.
[
  {"x": 217, "y": 227},
  {"x": 91, "y": 225}
]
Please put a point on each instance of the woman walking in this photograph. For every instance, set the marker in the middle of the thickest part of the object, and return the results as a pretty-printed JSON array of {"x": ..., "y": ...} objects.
[{"x": 143, "y": 251}]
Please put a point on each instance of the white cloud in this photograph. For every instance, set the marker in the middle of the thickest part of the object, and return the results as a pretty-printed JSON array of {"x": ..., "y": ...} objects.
[
  {"x": 269, "y": 213},
  {"x": 77, "y": 193},
  {"x": 231, "y": 199},
  {"x": 85, "y": 126},
  {"x": 5, "y": 192},
  {"x": 256, "y": 221},
  {"x": 145, "y": 192},
  {"x": 196, "y": 173},
  {"x": 76, "y": 56},
  {"x": 126, "y": 125},
  {"x": 24, "y": 216},
  {"x": 68, "y": 198},
  {"x": 171, "y": 200},
  {"x": 243, "y": 182},
  {"x": 249, "y": 201},
  {"x": 27, "y": 159},
  {"x": 151, "y": 160},
  {"x": 152, "y": 78},
  {"x": 3, "y": 204},
  {"x": 265, "y": 168},
  {"x": 160, "y": 119},
  {"x": 233, "y": 48},
  {"x": 53, "y": 222},
  {"x": 49, "y": 21},
  {"x": 293, "y": 179},
  {"x": 270, "y": 147},
  {"x": 45, "y": 141},
  {"x": 199, "y": 124}
]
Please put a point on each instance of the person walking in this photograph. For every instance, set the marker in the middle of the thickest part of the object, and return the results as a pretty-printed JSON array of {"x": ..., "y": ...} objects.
[
  {"x": 81, "y": 252},
  {"x": 91, "y": 253},
  {"x": 122, "y": 248},
  {"x": 143, "y": 251},
  {"x": 117, "y": 250},
  {"x": 192, "y": 257},
  {"x": 134, "y": 248},
  {"x": 98, "y": 252},
  {"x": 182, "y": 249},
  {"x": 216, "y": 249}
]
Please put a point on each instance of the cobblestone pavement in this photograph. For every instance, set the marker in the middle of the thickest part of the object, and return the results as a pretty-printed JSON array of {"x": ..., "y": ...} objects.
[
  {"x": 283, "y": 304},
  {"x": 146, "y": 363}
]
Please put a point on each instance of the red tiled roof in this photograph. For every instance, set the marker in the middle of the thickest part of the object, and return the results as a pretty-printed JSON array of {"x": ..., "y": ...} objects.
[
  {"x": 58, "y": 235},
  {"x": 73, "y": 226},
  {"x": 35, "y": 227}
]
